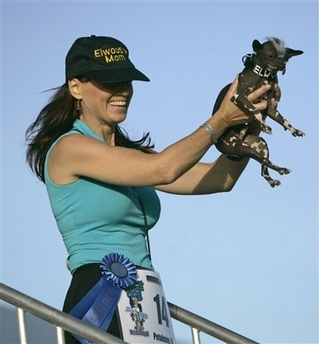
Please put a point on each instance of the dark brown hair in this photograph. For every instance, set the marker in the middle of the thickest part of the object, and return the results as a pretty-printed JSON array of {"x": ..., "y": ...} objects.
[{"x": 56, "y": 119}]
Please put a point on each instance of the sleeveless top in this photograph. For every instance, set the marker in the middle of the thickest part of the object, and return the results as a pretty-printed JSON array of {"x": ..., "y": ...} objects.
[{"x": 96, "y": 218}]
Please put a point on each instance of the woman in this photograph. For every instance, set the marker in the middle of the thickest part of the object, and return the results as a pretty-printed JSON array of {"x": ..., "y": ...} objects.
[{"x": 100, "y": 183}]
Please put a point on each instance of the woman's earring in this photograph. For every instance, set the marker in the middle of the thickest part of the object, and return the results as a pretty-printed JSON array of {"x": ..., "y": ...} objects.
[{"x": 78, "y": 105}]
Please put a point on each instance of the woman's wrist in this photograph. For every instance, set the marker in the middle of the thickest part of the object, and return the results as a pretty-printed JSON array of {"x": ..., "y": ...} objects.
[
  {"x": 211, "y": 132},
  {"x": 218, "y": 124}
]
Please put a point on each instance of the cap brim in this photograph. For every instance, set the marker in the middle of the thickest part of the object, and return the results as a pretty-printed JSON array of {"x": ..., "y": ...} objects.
[{"x": 116, "y": 75}]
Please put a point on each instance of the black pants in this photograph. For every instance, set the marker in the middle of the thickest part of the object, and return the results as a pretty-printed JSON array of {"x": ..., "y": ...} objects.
[{"x": 83, "y": 280}]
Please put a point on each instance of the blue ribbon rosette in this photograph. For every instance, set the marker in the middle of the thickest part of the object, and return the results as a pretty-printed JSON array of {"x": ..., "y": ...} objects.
[{"x": 98, "y": 305}]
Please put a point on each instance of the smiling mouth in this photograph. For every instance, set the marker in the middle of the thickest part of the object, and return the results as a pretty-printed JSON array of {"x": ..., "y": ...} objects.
[{"x": 118, "y": 103}]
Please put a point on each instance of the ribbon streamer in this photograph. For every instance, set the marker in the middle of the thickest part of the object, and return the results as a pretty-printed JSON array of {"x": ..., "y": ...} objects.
[{"x": 99, "y": 304}]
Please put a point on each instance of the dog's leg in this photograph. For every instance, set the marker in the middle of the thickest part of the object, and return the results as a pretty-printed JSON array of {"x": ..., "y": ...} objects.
[
  {"x": 276, "y": 116},
  {"x": 232, "y": 145},
  {"x": 265, "y": 174},
  {"x": 260, "y": 146},
  {"x": 251, "y": 146},
  {"x": 248, "y": 108}
]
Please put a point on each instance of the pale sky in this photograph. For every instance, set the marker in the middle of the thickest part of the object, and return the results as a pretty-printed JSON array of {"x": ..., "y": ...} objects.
[{"x": 247, "y": 259}]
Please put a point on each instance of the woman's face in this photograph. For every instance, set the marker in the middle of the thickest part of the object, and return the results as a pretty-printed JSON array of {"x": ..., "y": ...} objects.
[{"x": 104, "y": 102}]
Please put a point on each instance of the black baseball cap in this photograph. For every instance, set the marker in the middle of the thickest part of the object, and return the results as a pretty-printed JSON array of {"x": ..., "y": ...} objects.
[{"x": 102, "y": 59}]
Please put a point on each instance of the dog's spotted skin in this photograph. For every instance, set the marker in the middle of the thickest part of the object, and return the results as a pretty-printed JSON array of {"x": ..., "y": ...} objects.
[{"x": 260, "y": 68}]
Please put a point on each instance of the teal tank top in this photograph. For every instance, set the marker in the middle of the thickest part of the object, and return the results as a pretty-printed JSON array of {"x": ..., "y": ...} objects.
[{"x": 96, "y": 218}]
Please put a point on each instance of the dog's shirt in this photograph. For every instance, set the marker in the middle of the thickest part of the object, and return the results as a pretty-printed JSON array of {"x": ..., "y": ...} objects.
[{"x": 260, "y": 68}]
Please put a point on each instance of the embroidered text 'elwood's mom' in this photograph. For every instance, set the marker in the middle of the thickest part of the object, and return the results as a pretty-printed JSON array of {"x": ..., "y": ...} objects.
[{"x": 111, "y": 54}]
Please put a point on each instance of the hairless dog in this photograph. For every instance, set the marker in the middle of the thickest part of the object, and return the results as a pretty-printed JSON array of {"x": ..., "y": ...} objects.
[{"x": 260, "y": 68}]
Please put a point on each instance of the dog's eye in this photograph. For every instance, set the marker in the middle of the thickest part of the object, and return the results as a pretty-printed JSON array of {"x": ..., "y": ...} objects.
[{"x": 271, "y": 56}]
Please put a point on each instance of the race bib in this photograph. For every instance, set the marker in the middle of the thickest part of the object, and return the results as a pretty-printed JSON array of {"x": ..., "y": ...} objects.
[{"x": 143, "y": 312}]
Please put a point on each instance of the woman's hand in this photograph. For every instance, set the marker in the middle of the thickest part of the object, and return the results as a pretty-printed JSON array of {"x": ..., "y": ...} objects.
[{"x": 230, "y": 115}]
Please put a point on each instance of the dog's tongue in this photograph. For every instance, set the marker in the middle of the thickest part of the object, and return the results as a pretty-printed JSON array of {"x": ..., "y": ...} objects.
[{"x": 283, "y": 71}]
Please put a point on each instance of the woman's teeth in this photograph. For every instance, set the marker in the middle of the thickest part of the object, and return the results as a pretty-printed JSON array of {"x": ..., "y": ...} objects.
[{"x": 118, "y": 103}]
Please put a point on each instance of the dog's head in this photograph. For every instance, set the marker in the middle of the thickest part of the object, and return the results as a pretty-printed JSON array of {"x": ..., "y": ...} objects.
[{"x": 273, "y": 54}]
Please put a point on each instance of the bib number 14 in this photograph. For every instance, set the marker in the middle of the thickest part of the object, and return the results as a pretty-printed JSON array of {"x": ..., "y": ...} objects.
[{"x": 162, "y": 312}]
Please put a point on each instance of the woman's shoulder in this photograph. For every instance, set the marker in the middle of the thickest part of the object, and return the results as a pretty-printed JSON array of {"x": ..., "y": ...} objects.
[{"x": 72, "y": 142}]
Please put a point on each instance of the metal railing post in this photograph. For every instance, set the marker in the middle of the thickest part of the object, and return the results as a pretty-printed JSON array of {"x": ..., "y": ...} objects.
[
  {"x": 59, "y": 335},
  {"x": 195, "y": 336},
  {"x": 21, "y": 324}
]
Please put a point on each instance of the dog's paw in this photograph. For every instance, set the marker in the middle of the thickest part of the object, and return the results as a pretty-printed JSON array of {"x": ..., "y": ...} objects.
[
  {"x": 266, "y": 129},
  {"x": 274, "y": 182},
  {"x": 284, "y": 170},
  {"x": 298, "y": 133}
]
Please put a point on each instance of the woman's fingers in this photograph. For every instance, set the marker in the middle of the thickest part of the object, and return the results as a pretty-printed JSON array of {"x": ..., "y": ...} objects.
[
  {"x": 258, "y": 93},
  {"x": 277, "y": 92},
  {"x": 277, "y": 95},
  {"x": 262, "y": 105}
]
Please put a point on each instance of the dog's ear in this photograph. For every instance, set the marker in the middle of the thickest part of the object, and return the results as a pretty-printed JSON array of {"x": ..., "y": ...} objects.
[
  {"x": 291, "y": 52},
  {"x": 257, "y": 46}
]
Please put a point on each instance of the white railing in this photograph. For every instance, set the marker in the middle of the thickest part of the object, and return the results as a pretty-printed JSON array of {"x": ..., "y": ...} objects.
[{"x": 64, "y": 322}]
